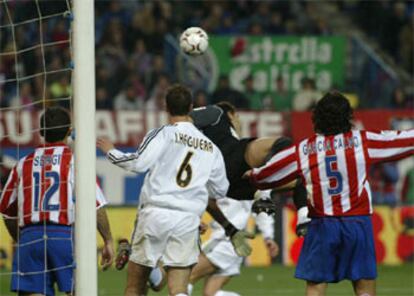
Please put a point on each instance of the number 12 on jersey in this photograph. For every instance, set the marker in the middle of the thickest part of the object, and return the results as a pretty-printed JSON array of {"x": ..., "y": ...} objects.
[{"x": 49, "y": 192}]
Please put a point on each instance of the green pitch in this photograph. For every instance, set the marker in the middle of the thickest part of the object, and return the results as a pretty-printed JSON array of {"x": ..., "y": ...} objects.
[{"x": 275, "y": 280}]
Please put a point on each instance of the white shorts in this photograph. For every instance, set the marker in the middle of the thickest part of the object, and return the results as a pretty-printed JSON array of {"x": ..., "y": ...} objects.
[
  {"x": 220, "y": 252},
  {"x": 170, "y": 234}
]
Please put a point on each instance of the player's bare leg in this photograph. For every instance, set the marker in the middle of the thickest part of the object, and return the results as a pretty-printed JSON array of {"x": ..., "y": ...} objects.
[
  {"x": 257, "y": 151},
  {"x": 364, "y": 287},
  {"x": 315, "y": 289},
  {"x": 214, "y": 284},
  {"x": 203, "y": 268},
  {"x": 137, "y": 279},
  {"x": 178, "y": 279}
]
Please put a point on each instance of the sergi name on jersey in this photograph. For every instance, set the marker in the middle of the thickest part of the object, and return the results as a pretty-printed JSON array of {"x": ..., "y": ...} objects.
[{"x": 43, "y": 160}]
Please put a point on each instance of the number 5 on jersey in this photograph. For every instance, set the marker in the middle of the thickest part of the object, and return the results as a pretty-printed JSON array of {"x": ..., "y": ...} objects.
[
  {"x": 334, "y": 174},
  {"x": 185, "y": 171}
]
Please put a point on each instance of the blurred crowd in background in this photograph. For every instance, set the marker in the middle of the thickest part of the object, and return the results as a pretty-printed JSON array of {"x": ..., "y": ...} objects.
[
  {"x": 395, "y": 30},
  {"x": 131, "y": 70}
]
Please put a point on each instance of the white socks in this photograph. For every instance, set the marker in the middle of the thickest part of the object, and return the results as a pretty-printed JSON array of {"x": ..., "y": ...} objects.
[
  {"x": 219, "y": 293},
  {"x": 226, "y": 293}
]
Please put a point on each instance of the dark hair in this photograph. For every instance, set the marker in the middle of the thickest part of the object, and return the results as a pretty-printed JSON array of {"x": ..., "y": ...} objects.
[
  {"x": 332, "y": 114},
  {"x": 227, "y": 108},
  {"x": 55, "y": 124},
  {"x": 179, "y": 100}
]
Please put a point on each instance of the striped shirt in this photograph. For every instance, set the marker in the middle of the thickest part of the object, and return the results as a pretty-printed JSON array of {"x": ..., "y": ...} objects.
[
  {"x": 40, "y": 188},
  {"x": 334, "y": 168}
]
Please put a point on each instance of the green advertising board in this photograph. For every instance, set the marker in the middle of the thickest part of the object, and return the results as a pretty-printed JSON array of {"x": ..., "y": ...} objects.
[{"x": 266, "y": 58}]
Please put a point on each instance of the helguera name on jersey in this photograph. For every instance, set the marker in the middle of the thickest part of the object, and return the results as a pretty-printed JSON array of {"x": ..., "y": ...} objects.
[{"x": 193, "y": 142}]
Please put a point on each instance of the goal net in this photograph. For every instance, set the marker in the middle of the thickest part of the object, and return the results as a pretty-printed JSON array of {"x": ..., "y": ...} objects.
[{"x": 36, "y": 72}]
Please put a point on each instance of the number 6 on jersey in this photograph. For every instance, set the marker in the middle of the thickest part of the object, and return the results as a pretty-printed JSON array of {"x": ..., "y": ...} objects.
[{"x": 185, "y": 167}]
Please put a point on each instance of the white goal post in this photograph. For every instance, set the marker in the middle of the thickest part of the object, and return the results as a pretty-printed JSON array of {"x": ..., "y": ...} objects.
[{"x": 85, "y": 147}]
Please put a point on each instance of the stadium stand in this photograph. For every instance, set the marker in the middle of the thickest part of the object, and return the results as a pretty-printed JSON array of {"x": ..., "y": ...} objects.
[{"x": 130, "y": 45}]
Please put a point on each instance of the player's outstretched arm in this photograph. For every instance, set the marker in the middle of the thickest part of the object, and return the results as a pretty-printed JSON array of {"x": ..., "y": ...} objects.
[
  {"x": 388, "y": 145},
  {"x": 140, "y": 161},
  {"x": 117, "y": 157}
]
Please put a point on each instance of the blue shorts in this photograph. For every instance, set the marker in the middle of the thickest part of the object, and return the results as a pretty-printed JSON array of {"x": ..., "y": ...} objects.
[
  {"x": 36, "y": 273},
  {"x": 338, "y": 248}
]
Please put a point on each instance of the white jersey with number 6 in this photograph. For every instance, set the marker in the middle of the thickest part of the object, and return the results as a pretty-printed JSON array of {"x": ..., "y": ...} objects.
[{"x": 184, "y": 168}]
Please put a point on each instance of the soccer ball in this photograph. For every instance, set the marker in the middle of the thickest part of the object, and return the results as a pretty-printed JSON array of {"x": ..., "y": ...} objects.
[{"x": 194, "y": 41}]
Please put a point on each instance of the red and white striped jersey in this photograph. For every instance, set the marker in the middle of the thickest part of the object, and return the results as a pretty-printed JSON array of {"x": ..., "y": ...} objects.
[
  {"x": 40, "y": 188},
  {"x": 334, "y": 168}
]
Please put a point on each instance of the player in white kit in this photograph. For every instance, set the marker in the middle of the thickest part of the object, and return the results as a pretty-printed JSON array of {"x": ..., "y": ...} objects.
[
  {"x": 184, "y": 169},
  {"x": 218, "y": 262}
]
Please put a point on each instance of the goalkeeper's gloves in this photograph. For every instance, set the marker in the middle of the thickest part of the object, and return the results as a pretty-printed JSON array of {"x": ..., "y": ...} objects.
[
  {"x": 238, "y": 240},
  {"x": 264, "y": 205},
  {"x": 124, "y": 250},
  {"x": 302, "y": 222},
  {"x": 240, "y": 244}
]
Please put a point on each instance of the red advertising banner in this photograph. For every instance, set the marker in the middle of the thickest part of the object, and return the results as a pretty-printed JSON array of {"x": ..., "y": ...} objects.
[{"x": 127, "y": 128}]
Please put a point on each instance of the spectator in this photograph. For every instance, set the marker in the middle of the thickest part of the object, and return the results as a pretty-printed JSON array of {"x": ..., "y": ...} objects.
[
  {"x": 24, "y": 99},
  {"x": 158, "y": 69},
  {"x": 103, "y": 79},
  {"x": 114, "y": 12},
  {"x": 61, "y": 88},
  {"x": 255, "y": 98},
  {"x": 102, "y": 99},
  {"x": 157, "y": 98},
  {"x": 322, "y": 28},
  {"x": 140, "y": 61},
  {"x": 128, "y": 99},
  {"x": 256, "y": 29},
  {"x": 111, "y": 54},
  {"x": 156, "y": 42},
  {"x": 60, "y": 33},
  {"x": 307, "y": 97},
  {"x": 276, "y": 24},
  {"x": 138, "y": 85},
  {"x": 281, "y": 97},
  {"x": 225, "y": 93},
  {"x": 383, "y": 178},
  {"x": 398, "y": 100},
  {"x": 200, "y": 99},
  {"x": 406, "y": 48}
]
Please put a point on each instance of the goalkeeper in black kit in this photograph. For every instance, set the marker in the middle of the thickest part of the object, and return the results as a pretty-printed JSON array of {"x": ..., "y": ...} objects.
[{"x": 220, "y": 123}]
